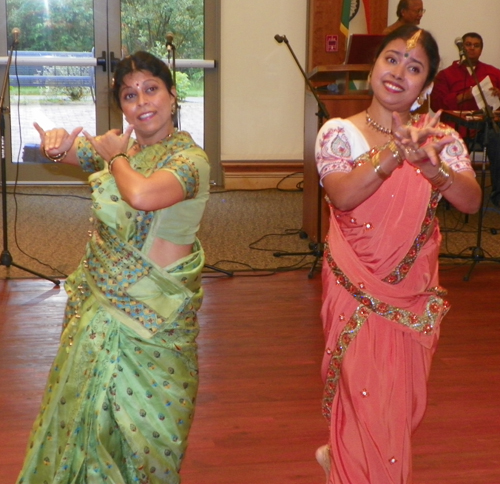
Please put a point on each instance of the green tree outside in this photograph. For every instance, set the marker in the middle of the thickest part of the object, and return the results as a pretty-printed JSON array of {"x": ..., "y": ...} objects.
[
  {"x": 68, "y": 26},
  {"x": 64, "y": 26}
]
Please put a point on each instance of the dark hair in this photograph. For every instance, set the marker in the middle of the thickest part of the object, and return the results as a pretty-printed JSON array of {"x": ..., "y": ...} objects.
[
  {"x": 402, "y": 5},
  {"x": 426, "y": 40},
  {"x": 474, "y": 35},
  {"x": 140, "y": 61}
]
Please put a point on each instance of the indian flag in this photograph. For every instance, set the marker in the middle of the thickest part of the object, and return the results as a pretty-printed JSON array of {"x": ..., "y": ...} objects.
[
  {"x": 345, "y": 17},
  {"x": 359, "y": 10}
]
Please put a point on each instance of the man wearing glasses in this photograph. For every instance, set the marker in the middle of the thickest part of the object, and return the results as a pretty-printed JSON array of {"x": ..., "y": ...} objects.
[
  {"x": 453, "y": 91},
  {"x": 453, "y": 85},
  {"x": 408, "y": 12}
]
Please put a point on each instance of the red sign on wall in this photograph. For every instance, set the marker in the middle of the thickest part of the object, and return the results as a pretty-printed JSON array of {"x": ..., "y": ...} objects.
[{"x": 332, "y": 43}]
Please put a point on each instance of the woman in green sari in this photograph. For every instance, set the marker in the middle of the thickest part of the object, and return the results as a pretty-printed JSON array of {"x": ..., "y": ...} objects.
[{"x": 120, "y": 396}]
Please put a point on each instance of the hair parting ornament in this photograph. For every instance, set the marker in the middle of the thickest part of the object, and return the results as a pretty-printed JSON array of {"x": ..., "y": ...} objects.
[{"x": 412, "y": 42}]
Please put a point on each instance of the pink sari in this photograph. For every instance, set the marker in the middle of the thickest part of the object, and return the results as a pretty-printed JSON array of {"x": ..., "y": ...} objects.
[{"x": 381, "y": 313}]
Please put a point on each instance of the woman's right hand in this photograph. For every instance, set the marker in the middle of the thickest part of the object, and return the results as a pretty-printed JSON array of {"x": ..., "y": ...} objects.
[
  {"x": 58, "y": 140},
  {"x": 421, "y": 145}
]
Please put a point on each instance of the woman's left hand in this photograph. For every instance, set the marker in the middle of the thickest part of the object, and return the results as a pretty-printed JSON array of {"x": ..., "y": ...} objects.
[
  {"x": 110, "y": 143},
  {"x": 421, "y": 145}
]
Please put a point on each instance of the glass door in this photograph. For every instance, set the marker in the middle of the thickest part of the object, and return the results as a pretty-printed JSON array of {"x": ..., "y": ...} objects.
[
  {"x": 63, "y": 66},
  {"x": 53, "y": 81}
]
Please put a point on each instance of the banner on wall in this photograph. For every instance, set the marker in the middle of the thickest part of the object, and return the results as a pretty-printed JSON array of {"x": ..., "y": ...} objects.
[{"x": 355, "y": 17}]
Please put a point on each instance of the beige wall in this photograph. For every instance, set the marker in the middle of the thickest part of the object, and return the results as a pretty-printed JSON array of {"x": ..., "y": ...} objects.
[{"x": 262, "y": 89}]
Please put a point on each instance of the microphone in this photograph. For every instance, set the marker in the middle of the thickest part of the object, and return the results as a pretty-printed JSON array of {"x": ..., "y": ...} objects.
[
  {"x": 460, "y": 44},
  {"x": 170, "y": 40},
  {"x": 281, "y": 38},
  {"x": 15, "y": 35}
]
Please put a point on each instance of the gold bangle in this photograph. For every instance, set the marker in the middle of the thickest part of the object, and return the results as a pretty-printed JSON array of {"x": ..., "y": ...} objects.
[
  {"x": 114, "y": 158},
  {"x": 441, "y": 177},
  {"x": 395, "y": 152},
  {"x": 451, "y": 179},
  {"x": 55, "y": 158},
  {"x": 376, "y": 166}
]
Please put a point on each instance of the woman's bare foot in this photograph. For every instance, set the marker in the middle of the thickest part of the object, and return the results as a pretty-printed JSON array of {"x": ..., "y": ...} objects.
[{"x": 323, "y": 458}]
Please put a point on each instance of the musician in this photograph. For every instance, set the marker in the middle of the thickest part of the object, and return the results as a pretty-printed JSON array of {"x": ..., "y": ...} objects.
[{"x": 453, "y": 91}]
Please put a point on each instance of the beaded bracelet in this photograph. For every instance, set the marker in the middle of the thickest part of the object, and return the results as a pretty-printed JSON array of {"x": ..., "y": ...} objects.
[
  {"x": 375, "y": 159},
  {"x": 114, "y": 158},
  {"x": 55, "y": 158}
]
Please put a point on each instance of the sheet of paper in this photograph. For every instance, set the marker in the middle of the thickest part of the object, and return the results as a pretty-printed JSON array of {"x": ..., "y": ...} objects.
[{"x": 486, "y": 86}]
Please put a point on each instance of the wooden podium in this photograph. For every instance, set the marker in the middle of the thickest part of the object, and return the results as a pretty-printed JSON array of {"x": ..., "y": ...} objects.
[{"x": 350, "y": 100}]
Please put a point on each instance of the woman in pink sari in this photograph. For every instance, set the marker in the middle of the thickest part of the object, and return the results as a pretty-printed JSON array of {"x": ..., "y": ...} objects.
[{"x": 384, "y": 172}]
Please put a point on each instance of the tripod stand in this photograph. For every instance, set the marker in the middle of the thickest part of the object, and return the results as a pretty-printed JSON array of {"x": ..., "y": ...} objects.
[
  {"x": 316, "y": 248},
  {"x": 477, "y": 252},
  {"x": 489, "y": 122},
  {"x": 6, "y": 257},
  {"x": 216, "y": 269}
]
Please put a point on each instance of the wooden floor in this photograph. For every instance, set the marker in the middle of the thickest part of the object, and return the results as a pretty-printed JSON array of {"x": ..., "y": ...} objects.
[{"x": 258, "y": 418}]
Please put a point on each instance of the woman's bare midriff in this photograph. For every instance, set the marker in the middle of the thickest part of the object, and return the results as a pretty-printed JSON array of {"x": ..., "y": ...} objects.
[{"x": 163, "y": 252}]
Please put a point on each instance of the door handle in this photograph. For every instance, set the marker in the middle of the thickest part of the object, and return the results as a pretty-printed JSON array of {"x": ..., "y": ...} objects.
[
  {"x": 113, "y": 61},
  {"x": 101, "y": 61}
]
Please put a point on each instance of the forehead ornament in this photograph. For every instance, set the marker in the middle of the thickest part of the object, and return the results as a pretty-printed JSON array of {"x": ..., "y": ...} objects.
[{"x": 412, "y": 42}]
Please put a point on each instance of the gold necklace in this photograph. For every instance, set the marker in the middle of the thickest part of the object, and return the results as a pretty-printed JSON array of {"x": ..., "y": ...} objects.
[
  {"x": 386, "y": 131},
  {"x": 375, "y": 125},
  {"x": 143, "y": 147}
]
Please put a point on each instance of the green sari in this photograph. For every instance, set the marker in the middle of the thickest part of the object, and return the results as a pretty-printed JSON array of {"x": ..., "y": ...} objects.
[{"x": 120, "y": 396}]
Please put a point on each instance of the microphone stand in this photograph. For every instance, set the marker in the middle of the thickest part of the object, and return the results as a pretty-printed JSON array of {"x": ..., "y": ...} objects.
[
  {"x": 171, "y": 54},
  {"x": 322, "y": 112},
  {"x": 316, "y": 249},
  {"x": 177, "y": 121},
  {"x": 477, "y": 254},
  {"x": 6, "y": 257}
]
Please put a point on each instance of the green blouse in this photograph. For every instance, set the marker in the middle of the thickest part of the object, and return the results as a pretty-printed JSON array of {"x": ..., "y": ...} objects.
[{"x": 178, "y": 223}]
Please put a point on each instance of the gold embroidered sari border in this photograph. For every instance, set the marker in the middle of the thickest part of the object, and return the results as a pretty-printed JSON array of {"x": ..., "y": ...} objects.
[
  {"x": 424, "y": 323},
  {"x": 348, "y": 334},
  {"x": 403, "y": 268}
]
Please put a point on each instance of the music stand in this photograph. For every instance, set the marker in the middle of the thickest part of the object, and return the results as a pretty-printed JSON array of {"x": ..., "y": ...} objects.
[{"x": 6, "y": 257}]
